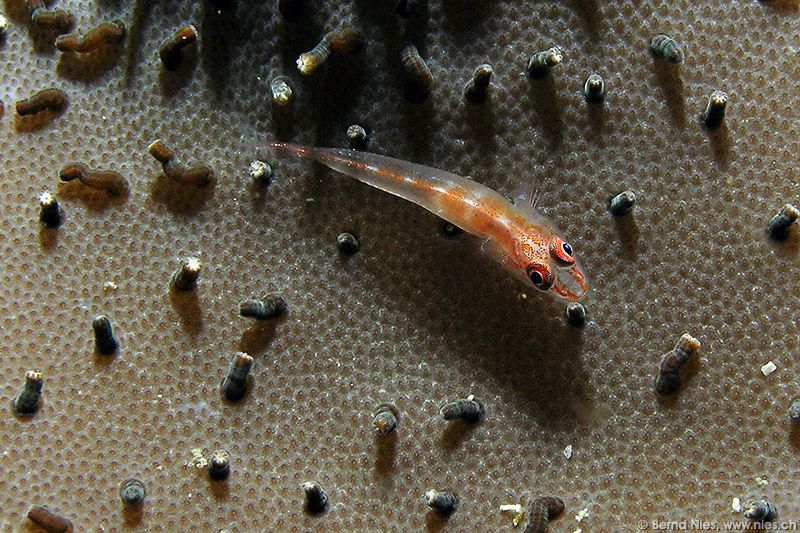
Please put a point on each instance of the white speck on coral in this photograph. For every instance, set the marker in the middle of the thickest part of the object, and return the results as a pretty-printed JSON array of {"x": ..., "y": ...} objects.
[
  {"x": 568, "y": 451},
  {"x": 736, "y": 505},
  {"x": 769, "y": 368},
  {"x": 583, "y": 513}
]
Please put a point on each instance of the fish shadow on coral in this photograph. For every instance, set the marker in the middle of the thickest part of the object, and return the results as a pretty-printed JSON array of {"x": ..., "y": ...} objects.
[
  {"x": 465, "y": 21},
  {"x": 588, "y": 13},
  {"x": 136, "y": 23},
  {"x": 334, "y": 95},
  {"x": 523, "y": 343},
  {"x": 283, "y": 122},
  {"x": 298, "y": 36},
  {"x": 224, "y": 26},
  {"x": 669, "y": 79},
  {"x": 178, "y": 197},
  {"x": 453, "y": 292},
  {"x": 481, "y": 120}
]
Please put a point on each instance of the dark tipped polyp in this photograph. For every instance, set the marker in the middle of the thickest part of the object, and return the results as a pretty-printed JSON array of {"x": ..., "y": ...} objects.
[
  {"x": 762, "y": 511},
  {"x": 219, "y": 466},
  {"x": 27, "y": 401},
  {"x": 171, "y": 47},
  {"x": 106, "y": 33},
  {"x": 668, "y": 379},
  {"x": 271, "y": 306},
  {"x": 386, "y": 417},
  {"x": 594, "y": 88},
  {"x": 48, "y": 520},
  {"x": 443, "y": 502},
  {"x": 541, "y": 511},
  {"x": 665, "y": 47},
  {"x": 186, "y": 276},
  {"x": 476, "y": 89},
  {"x": 576, "y": 314},
  {"x": 104, "y": 339},
  {"x": 234, "y": 386},
  {"x": 280, "y": 90},
  {"x": 715, "y": 110},
  {"x": 132, "y": 492},
  {"x": 468, "y": 409},
  {"x": 261, "y": 171},
  {"x": 356, "y": 136},
  {"x": 794, "y": 410},
  {"x": 622, "y": 204},
  {"x": 49, "y": 210},
  {"x": 553, "y": 504},
  {"x": 108, "y": 180},
  {"x": 52, "y": 99},
  {"x": 316, "y": 499},
  {"x": 348, "y": 243},
  {"x": 778, "y": 227},
  {"x": 419, "y": 79},
  {"x": 59, "y": 20},
  {"x": 542, "y": 62}
]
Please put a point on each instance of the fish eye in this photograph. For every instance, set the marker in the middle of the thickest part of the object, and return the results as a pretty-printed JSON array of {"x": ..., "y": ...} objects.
[
  {"x": 562, "y": 252},
  {"x": 541, "y": 276}
]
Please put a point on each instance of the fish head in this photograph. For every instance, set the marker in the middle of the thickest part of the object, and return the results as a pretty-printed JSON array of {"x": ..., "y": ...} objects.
[
  {"x": 545, "y": 260},
  {"x": 541, "y": 256}
]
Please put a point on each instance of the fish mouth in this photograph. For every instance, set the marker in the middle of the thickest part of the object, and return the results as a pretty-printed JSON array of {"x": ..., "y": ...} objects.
[{"x": 571, "y": 284}]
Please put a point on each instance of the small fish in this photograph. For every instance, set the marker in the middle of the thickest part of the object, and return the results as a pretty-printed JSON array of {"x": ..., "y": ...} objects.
[{"x": 517, "y": 235}]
